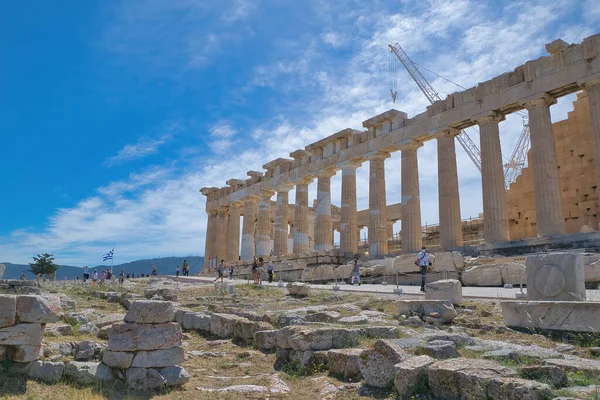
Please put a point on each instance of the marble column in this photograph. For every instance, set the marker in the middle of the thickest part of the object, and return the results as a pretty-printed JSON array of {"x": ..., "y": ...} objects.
[
  {"x": 378, "y": 233},
  {"x": 211, "y": 226},
  {"x": 323, "y": 229},
  {"x": 449, "y": 199},
  {"x": 233, "y": 242},
  {"x": 546, "y": 181},
  {"x": 248, "y": 230},
  {"x": 263, "y": 227},
  {"x": 301, "y": 241},
  {"x": 495, "y": 213},
  {"x": 411, "y": 199},
  {"x": 281, "y": 221},
  {"x": 593, "y": 89},
  {"x": 221, "y": 238},
  {"x": 348, "y": 217}
]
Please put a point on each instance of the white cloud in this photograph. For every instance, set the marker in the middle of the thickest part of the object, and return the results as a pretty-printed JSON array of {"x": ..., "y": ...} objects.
[
  {"x": 221, "y": 135},
  {"x": 142, "y": 148},
  {"x": 240, "y": 10}
]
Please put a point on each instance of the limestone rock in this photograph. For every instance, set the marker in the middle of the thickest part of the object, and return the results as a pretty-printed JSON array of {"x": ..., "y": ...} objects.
[
  {"x": 482, "y": 275},
  {"x": 26, "y": 353},
  {"x": 439, "y": 349},
  {"x": 144, "y": 379},
  {"x": 517, "y": 389},
  {"x": 46, "y": 371},
  {"x": 158, "y": 358},
  {"x": 221, "y": 325},
  {"x": 551, "y": 374},
  {"x": 512, "y": 273},
  {"x": 21, "y": 334},
  {"x": 132, "y": 337},
  {"x": 556, "y": 277},
  {"x": 445, "y": 289},
  {"x": 108, "y": 320},
  {"x": 197, "y": 321},
  {"x": 86, "y": 350},
  {"x": 464, "y": 378},
  {"x": 573, "y": 364},
  {"x": 298, "y": 289},
  {"x": 37, "y": 309},
  {"x": 150, "y": 312},
  {"x": 58, "y": 330},
  {"x": 175, "y": 376},
  {"x": 411, "y": 376},
  {"x": 426, "y": 307},
  {"x": 377, "y": 364},
  {"x": 266, "y": 340},
  {"x": 245, "y": 329},
  {"x": 165, "y": 293},
  {"x": 580, "y": 316},
  {"x": 323, "y": 316},
  {"x": 88, "y": 373},
  {"x": 344, "y": 363},
  {"x": 592, "y": 272},
  {"x": 8, "y": 310},
  {"x": 76, "y": 318},
  {"x": 117, "y": 359},
  {"x": 381, "y": 332}
]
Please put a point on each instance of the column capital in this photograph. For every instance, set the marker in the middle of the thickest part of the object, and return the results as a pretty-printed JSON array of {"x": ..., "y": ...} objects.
[
  {"x": 236, "y": 204},
  {"x": 447, "y": 133},
  {"x": 327, "y": 173},
  {"x": 378, "y": 156},
  {"x": 305, "y": 180},
  {"x": 212, "y": 212},
  {"x": 267, "y": 194},
  {"x": 350, "y": 166},
  {"x": 541, "y": 100},
  {"x": 284, "y": 187},
  {"x": 488, "y": 118},
  {"x": 591, "y": 82},
  {"x": 223, "y": 210},
  {"x": 410, "y": 145}
]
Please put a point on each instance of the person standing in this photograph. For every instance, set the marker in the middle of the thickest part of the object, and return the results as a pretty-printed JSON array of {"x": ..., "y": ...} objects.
[
  {"x": 423, "y": 263},
  {"x": 23, "y": 276},
  {"x": 94, "y": 277},
  {"x": 121, "y": 277},
  {"x": 177, "y": 270},
  {"x": 355, "y": 272},
  {"x": 231, "y": 269},
  {"x": 270, "y": 271},
  {"x": 220, "y": 270},
  {"x": 86, "y": 273},
  {"x": 255, "y": 273},
  {"x": 154, "y": 271},
  {"x": 186, "y": 268}
]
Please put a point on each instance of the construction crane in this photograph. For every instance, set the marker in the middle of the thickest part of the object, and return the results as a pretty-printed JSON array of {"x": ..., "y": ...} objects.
[{"x": 512, "y": 168}]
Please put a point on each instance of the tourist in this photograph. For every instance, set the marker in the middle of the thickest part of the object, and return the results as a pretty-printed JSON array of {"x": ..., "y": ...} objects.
[
  {"x": 255, "y": 273},
  {"x": 186, "y": 268},
  {"x": 177, "y": 269},
  {"x": 128, "y": 275},
  {"x": 154, "y": 271},
  {"x": 86, "y": 273},
  {"x": 121, "y": 277},
  {"x": 355, "y": 272},
  {"x": 95, "y": 277},
  {"x": 23, "y": 276},
  {"x": 423, "y": 263},
  {"x": 220, "y": 271},
  {"x": 270, "y": 271},
  {"x": 109, "y": 276},
  {"x": 231, "y": 269},
  {"x": 103, "y": 277},
  {"x": 38, "y": 277}
]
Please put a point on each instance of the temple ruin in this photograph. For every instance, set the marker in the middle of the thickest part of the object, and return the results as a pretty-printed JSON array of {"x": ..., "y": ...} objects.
[{"x": 554, "y": 201}]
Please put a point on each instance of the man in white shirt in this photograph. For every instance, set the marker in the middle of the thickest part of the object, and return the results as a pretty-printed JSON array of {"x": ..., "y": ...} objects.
[{"x": 423, "y": 263}]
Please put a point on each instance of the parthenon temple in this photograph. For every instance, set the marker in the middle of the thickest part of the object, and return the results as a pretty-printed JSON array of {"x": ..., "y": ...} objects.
[{"x": 555, "y": 198}]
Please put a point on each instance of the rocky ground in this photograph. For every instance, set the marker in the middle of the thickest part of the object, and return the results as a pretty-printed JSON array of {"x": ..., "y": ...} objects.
[{"x": 265, "y": 343}]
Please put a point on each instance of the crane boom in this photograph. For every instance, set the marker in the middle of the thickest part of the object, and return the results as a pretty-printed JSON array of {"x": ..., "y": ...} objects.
[{"x": 463, "y": 138}]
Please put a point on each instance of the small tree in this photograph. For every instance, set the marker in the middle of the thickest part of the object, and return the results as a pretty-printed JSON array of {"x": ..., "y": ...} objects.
[{"x": 44, "y": 264}]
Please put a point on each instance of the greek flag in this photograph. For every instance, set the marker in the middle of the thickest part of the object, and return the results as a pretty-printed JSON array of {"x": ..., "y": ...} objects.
[{"x": 108, "y": 256}]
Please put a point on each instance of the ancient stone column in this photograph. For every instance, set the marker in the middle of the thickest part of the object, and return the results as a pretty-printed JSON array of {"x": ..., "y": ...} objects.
[
  {"x": 301, "y": 241},
  {"x": 495, "y": 214},
  {"x": 411, "y": 200},
  {"x": 221, "y": 238},
  {"x": 348, "y": 227},
  {"x": 378, "y": 233},
  {"x": 233, "y": 242},
  {"x": 211, "y": 226},
  {"x": 281, "y": 221},
  {"x": 323, "y": 229},
  {"x": 248, "y": 244},
  {"x": 546, "y": 183},
  {"x": 593, "y": 89},
  {"x": 449, "y": 200},
  {"x": 263, "y": 227}
]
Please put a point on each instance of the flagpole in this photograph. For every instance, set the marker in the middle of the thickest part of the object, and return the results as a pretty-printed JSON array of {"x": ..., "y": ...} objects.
[{"x": 112, "y": 259}]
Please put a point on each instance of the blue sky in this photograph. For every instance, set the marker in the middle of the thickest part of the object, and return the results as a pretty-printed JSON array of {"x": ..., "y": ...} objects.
[{"x": 113, "y": 114}]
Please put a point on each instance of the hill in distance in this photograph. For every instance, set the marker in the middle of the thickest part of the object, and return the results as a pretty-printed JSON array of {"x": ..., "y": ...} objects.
[{"x": 164, "y": 266}]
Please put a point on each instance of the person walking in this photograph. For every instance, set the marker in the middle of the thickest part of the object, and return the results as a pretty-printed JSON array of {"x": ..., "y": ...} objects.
[
  {"x": 270, "y": 271},
  {"x": 220, "y": 270},
  {"x": 231, "y": 269},
  {"x": 186, "y": 268},
  {"x": 355, "y": 272},
  {"x": 255, "y": 273},
  {"x": 177, "y": 270},
  {"x": 423, "y": 263}
]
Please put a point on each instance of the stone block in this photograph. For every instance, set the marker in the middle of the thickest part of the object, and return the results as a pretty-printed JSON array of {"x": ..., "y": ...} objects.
[
  {"x": 551, "y": 374},
  {"x": 439, "y": 349},
  {"x": 158, "y": 358},
  {"x": 446, "y": 289},
  {"x": 196, "y": 321},
  {"x": 411, "y": 376},
  {"x": 8, "y": 310},
  {"x": 88, "y": 373},
  {"x": 26, "y": 353},
  {"x": 21, "y": 334},
  {"x": 117, "y": 359},
  {"x": 439, "y": 308},
  {"x": 150, "y": 312},
  {"x": 344, "y": 363},
  {"x": 245, "y": 329},
  {"x": 126, "y": 336},
  {"x": 482, "y": 275},
  {"x": 515, "y": 388},
  {"x": 556, "y": 277},
  {"x": 298, "y": 289},
  {"x": 377, "y": 364},
  {"x": 144, "y": 379},
  {"x": 266, "y": 340},
  {"x": 579, "y": 316},
  {"x": 37, "y": 309},
  {"x": 221, "y": 325},
  {"x": 175, "y": 376},
  {"x": 46, "y": 371},
  {"x": 108, "y": 320}
]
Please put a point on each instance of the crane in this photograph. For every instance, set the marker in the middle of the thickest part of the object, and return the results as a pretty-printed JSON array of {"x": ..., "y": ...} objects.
[{"x": 512, "y": 168}]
